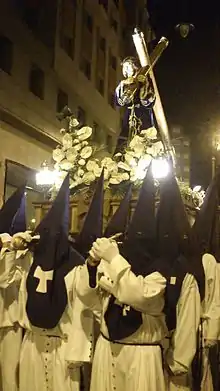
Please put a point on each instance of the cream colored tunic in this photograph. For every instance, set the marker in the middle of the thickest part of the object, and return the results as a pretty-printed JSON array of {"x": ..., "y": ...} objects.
[
  {"x": 122, "y": 367},
  {"x": 42, "y": 361},
  {"x": 210, "y": 318},
  {"x": 10, "y": 331},
  {"x": 183, "y": 341}
]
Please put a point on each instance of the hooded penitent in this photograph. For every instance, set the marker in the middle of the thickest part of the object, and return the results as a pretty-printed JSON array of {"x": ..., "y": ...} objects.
[
  {"x": 138, "y": 250},
  {"x": 92, "y": 227},
  {"x": 176, "y": 253},
  {"x": 12, "y": 214},
  {"x": 118, "y": 222},
  {"x": 205, "y": 229},
  {"x": 53, "y": 259}
]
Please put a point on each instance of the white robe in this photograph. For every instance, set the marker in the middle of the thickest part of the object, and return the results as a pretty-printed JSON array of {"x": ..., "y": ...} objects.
[
  {"x": 183, "y": 341},
  {"x": 42, "y": 361},
  {"x": 10, "y": 331},
  {"x": 210, "y": 318},
  {"x": 127, "y": 367}
]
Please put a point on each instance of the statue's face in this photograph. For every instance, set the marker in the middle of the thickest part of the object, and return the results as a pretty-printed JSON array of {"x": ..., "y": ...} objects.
[{"x": 128, "y": 69}]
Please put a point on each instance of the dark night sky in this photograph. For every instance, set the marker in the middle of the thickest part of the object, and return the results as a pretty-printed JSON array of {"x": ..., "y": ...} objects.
[{"x": 188, "y": 74}]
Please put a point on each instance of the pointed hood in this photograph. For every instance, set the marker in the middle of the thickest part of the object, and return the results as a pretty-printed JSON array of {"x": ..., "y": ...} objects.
[
  {"x": 9, "y": 210},
  {"x": 93, "y": 224},
  {"x": 138, "y": 250},
  {"x": 19, "y": 221},
  {"x": 53, "y": 259},
  {"x": 139, "y": 246},
  {"x": 118, "y": 222},
  {"x": 57, "y": 218},
  {"x": 206, "y": 222},
  {"x": 176, "y": 249},
  {"x": 143, "y": 220},
  {"x": 173, "y": 228}
]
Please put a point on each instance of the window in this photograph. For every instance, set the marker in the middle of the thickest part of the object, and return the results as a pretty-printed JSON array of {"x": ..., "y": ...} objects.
[
  {"x": 102, "y": 44},
  {"x": 109, "y": 143},
  {"x": 111, "y": 99},
  {"x": 113, "y": 62},
  {"x": 62, "y": 100},
  {"x": 16, "y": 175},
  {"x": 114, "y": 24},
  {"x": 101, "y": 86},
  {"x": 36, "y": 81},
  {"x": 67, "y": 26},
  {"x": 88, "y": 21},
  {"x": 31, "y": 16},
  {"x": 95, "y": 128},
  {"x": 6, "y": 54},
  {"x": 85, "y": 67},
  {"x": 81, "y": 116},
  {"x": 67, "y": 45},
  {"x": 104, "y": 3}
]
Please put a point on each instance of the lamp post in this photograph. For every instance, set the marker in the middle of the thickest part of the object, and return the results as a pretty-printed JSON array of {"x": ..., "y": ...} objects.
[
  {"x": 46, "y": 177},
  {"x": 215, "y": 150}
]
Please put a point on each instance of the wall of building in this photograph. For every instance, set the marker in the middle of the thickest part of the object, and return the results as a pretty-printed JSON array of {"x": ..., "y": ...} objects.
[
  {"x": 87, "y": 61},
  {"x": 181, "y": 145},
  {"x": 20, "y": 148},
  {"x": 77, "y": 63}
]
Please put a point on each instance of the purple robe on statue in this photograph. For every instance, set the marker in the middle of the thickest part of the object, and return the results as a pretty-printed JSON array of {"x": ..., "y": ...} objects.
[{"x": 143, "y": 102}]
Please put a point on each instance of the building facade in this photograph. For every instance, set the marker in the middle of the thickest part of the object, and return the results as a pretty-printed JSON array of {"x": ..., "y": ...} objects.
[
  {"x": 181, "y": 144},
  {"x": 54, "y": 53}
]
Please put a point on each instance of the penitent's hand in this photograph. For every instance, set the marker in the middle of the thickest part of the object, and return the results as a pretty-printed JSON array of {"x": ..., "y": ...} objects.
[{"x": 105, "y": 249}]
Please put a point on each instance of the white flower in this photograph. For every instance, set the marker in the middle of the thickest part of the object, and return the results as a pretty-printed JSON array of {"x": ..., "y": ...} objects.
[
  {"x": 150, "y": 133},
  {"x": 157, "y": 148},
  {"x": 58, "y": 155},
  {"x": 97, "y": 171},
  {"x": 84, "y": 133},
  {"x": 115, "y": 180},
  {"x": 129, "y": 158},
  {"x": 77, "y": 147},
  {"x": 77, "y": 180},
  {"x": 74, "y": 122},
  {"x": 106, "y": 174},
  {"x": 65, "y": 165},
  {"x": 125, "y": 176},
  {"x": 119, "y": 154},
  {"x": 62, "y": 130},
  {"x": 139, "y": 150},
  {"x": 91, "y": 165},
  {"x": 76, "y": 141},
  {"x": 88, "y": 177},
  {"x": 86, "y": 152},
  {"x": 80, "y": 172},
  {"x": 112, "y": 167},
  {"x": 82, "y": 162},
  {"x": 72, "y": 184},
  {"x": 71, "y": 154},
  {"x": 124, "y": 166},
  {"x": 56, "y": 167},
  {"x": 84, "y": 143},
  {"x": 135, "y": 141},
  {"x": 150, "y": 151},
  {"x": 67, "y": 141},
  {"x": 106, "y": 161}
]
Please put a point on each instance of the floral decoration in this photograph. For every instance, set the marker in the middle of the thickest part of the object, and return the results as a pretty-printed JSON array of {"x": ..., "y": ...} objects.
[{"x": 77, "y": 154}]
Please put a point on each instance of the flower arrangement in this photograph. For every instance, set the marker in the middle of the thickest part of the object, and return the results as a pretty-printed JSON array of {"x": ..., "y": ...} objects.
[
  {"x": 192, "y": 197},
  {"x": 78, "y": 155}
]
